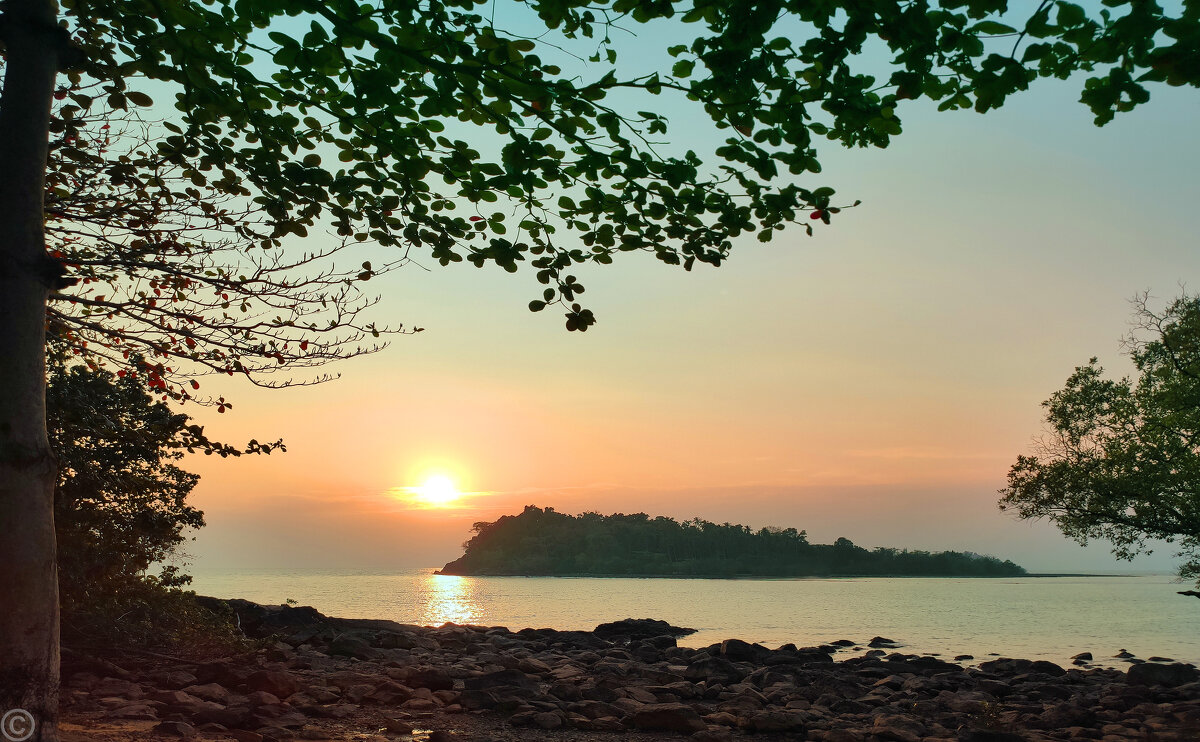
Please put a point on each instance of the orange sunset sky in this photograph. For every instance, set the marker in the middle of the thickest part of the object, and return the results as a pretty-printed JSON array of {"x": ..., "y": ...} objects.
[{"x": 874, "y": 381}]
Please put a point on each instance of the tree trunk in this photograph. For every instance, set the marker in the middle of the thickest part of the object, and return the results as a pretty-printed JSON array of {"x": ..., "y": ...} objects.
[{"x": 28, "y": 578}]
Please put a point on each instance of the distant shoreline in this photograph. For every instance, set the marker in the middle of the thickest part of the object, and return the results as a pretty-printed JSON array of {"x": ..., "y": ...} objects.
[{"x": 601, "y": 576}]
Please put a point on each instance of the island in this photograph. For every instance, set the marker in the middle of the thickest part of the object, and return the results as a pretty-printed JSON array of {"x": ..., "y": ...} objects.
[{"x": 542, "y": 542}]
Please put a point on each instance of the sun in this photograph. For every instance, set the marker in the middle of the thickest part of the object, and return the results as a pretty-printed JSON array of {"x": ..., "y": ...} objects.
[{"x": 437, "y": 491}]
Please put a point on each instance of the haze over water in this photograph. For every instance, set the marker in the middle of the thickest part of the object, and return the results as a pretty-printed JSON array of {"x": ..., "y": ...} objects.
[{"x": 1052, "y": 618}]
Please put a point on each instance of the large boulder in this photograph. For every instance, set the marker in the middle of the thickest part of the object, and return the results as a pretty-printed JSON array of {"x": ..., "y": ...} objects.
[
  {"x": 736, "y": 650},
  {"x": 638, "y": 628},
  {"x": 1152, "y": 673}
]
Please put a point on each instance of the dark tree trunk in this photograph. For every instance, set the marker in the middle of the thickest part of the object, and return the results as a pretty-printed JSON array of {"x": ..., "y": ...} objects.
[{"x": 28, "y": 578}]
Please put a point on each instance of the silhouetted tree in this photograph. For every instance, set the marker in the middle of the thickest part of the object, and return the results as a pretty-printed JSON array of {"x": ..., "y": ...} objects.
[{"x": 1121, "y": 458}]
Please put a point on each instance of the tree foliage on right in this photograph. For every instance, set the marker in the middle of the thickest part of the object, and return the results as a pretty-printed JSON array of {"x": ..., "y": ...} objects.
[{"x": 1121, "y": 459}]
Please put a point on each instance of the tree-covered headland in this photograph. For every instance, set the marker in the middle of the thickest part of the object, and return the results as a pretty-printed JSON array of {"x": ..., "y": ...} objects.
[{"x": 544, "y": 542}]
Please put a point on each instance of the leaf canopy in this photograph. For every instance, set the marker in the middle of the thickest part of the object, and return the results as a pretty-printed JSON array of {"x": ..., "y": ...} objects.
[{"x": 360, "y": 113}]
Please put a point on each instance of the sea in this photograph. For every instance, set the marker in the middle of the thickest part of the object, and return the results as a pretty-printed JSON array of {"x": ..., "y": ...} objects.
[{"x": 1052, "y": 617}]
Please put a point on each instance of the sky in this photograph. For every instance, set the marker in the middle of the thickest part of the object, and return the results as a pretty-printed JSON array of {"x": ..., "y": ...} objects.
[{"x": 874, "y": 381}]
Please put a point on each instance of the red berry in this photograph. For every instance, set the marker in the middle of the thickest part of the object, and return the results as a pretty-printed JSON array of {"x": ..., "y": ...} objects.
[
  {"x": 816, "y": 214},
  {"x": 477, "y": 218},
  {"x": 60, "y": 94}
]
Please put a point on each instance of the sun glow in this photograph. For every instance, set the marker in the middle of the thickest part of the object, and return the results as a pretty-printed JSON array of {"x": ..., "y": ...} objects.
[{"x": 437, "y": 491}]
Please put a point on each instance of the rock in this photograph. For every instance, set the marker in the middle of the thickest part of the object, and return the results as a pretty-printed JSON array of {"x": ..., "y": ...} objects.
[
  {"x": 773, "y": 721},
  {"x": 243, "y": 735},
  {"x": 547, "y": 720},
  {"x": 397, "y": 726},
  {"x": 1047, "y": 668},
  {"x": 133, "y": 711},
  {"x": 988, "y": 735},
  {"x": 499, "y": 679},
  {"x": 736, "y": 650},
  {"x": 433, "y": 678},
  {"x": 234, "y": 716},
  {"x": 839, "y": 643},
  {"x": 639, "y": 628},
  {"x": 350, "y": 645},
  {"x": 209, "y": 692},
  {"x": 898, "y": 728},
  {"x": 880, "y": 641},
  {"x": 175, "y": 679},
  {"x": 173, "y": 698},
  {"x": 119, "y": 688},
  {"x": 262, "y": 698},
  {"x": 1066, "y": 715},
  {"x": 839, "y": 735},
  {"x": 1150, "y": 673},
  {"x": 277, "y": 683},
  {"x": 963, "y": 657},
  {"x": 1086, "y": 656},
  {"x": 522, "y": 718},
  {"x": 533, "y": 666},
  {"x": 667, "y": 717},
  {"x": 714, "y": 669},
  {"x": 391, "y": 693},
  {"x": 606, "y": 724},
  {"x": 1006, "y": 666},
  {"x": 713, "y": 734}
]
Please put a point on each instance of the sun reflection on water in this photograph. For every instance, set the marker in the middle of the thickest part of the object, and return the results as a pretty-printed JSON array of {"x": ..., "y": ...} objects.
[{"x": 449, "y": 598}]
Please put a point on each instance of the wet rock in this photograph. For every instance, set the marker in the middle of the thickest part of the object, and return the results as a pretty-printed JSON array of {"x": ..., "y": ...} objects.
[
  {"x": 736, "y": 650},
  {"x": 1086, "y": 656},
  {"x": 1006, "y": 666},
  {"x": 882, "y": 642},
  {"x": 639, "y": 628},
  {"x": 1047, "y": 668},
  {"x": 667, "y": 717},
  {"x": 1172, "y": 675}
]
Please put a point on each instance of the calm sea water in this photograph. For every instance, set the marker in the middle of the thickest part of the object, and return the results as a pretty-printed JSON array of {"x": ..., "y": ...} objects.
[{"x": 1039, "y": 618}]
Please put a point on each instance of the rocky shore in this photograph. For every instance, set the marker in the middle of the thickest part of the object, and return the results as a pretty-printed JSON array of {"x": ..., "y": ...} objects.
[{"x": 317, "y": 677}]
